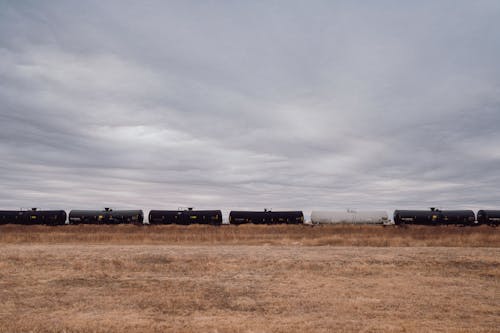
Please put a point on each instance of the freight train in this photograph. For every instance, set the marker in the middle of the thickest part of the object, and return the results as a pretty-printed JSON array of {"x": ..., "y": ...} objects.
[
  {"x": 214, "y": 217},
  {"x": 434, "y": 217},
  {"x": 266, "y": 217},
  {"x": 33, "y": 216},
  {"x": 106, "y": 216},
  {"x": 350, "y": 217},
  {"x": 185, "y": 217}
]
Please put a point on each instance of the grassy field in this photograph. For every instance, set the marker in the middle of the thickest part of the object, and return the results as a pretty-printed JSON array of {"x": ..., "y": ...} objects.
[
  {"x": 334, "y": 235},
  {"x": 249, "y": 279}
]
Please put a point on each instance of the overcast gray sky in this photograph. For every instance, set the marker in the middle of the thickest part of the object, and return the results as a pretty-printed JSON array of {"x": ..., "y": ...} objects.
[{"x": 245, "y": 105}]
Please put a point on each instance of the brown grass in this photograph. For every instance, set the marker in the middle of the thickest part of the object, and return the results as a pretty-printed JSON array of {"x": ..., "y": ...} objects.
[
  {"x": 149, "y": 288},
  {"x": 249, "y": 279},
  {"x": 336, "y": 235}
]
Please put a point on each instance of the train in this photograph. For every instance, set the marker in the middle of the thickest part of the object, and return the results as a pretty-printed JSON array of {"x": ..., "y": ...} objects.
[
  {"x": 106, "y": 216},
  {"x": 33, "y": 216},
  {"x": 190, "y": 216},
  {"x": 350, "y": 216},
  {"x": 266, "y": 217},
  {"x": 185, "y": 217},
  {"x": 434, "y": 217}
]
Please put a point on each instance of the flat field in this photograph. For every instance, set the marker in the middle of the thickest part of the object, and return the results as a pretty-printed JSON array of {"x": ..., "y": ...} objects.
[{"x": 249, "y": 279}]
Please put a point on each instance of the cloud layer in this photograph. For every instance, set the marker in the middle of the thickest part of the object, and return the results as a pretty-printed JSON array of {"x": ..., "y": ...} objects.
[{"x": 285, "y": 105}]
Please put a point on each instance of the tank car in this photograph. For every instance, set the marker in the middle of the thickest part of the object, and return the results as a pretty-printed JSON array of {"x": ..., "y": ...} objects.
[
  {"x": 106, "y": 216},
  {"x": 426, "y": 217},
  {"x": 185, "y": 217},
  {"x": 349, "y": 217},
  {"x": 434, "y": 217},
  {"x": 33, "y": 216},
  {"x": 266, "y": 217},
  {"x": 490, "y": 217}
]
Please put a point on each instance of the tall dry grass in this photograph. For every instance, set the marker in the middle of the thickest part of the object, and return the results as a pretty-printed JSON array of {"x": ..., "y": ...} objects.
[{"x": 333, "y": 235}]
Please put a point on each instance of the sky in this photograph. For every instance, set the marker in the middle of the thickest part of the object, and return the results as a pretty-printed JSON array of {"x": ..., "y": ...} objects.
[{"x": 304, "y": 105}]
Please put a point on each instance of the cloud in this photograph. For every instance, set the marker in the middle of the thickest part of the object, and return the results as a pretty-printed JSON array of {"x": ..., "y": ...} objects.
[{"x": 243, "y": 106}]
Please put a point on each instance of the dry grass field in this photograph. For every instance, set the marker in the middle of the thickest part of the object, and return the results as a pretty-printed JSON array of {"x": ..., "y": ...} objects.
[
  {"x": 334, "y": 235},
  {"x": 249, "y": 279}
]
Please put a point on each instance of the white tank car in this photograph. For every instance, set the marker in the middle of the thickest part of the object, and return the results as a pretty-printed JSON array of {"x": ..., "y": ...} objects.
[{"x": 350, "y": 217}]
